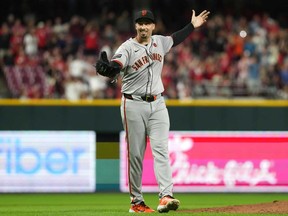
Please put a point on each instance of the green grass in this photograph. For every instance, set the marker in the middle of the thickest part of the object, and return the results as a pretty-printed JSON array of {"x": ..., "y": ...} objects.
[{"x": 118, "y": 203}]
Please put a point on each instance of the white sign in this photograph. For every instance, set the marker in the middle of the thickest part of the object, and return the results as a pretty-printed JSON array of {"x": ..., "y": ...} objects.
[{"x": 47, "y": 161}]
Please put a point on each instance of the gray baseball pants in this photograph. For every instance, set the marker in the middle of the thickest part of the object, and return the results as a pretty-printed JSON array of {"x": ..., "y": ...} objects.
[{"x": 141, "y": 119}]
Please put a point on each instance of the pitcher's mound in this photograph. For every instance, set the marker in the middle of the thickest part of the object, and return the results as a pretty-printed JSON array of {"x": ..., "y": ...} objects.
[{"x": 275, "y": 207}]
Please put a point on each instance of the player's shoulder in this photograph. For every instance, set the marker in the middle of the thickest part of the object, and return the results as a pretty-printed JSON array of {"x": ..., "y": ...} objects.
[
  {"x": 125, "y": 45},
  {"x": 128, "y": 43},
  {"x": 161, "y": 38}
]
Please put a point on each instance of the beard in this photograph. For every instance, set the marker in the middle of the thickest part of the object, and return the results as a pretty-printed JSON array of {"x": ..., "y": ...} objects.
[{"x": 143, "y": 34}]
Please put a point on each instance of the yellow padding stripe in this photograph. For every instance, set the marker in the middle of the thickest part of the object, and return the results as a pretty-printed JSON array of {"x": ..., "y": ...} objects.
[
  {"x": 116, "y": 102},
  {"x": 229, "y": 103},
  {"x": 59, "y": 102}
]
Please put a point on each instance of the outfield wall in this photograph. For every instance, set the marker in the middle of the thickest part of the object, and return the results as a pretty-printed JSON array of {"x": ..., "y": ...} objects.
[{"x": 103, "y": 117}]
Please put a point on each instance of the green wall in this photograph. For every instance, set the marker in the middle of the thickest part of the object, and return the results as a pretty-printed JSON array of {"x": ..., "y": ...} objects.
[
  {"x": 105, "y": 119},
  {"x": 229, "y": 118}
]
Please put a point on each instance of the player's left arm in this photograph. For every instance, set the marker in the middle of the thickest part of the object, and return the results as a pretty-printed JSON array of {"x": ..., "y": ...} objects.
[
  {"x": 106, "y": 68},
  {"x": 196, "y": 21}
]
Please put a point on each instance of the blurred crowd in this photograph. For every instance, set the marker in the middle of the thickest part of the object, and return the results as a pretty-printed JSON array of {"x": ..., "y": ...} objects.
[{"x": 228, "y": 57}]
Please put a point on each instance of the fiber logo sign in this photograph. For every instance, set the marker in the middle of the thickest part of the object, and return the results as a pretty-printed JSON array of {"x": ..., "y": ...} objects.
[
  {"x": 47, "y": 161},
  {"x": 220, "y": 162}
]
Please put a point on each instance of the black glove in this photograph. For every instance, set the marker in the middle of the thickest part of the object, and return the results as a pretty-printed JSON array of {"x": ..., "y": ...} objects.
[{"x": 104, "y": 68}]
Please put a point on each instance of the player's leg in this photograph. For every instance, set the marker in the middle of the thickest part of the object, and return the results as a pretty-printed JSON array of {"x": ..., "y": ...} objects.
[
  {"x": 132, "y": 118},
  {"x": 158, "y": 131}
]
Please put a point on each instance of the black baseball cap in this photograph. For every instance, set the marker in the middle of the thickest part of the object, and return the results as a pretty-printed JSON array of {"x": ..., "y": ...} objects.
[{"x": 144, "y": 15}]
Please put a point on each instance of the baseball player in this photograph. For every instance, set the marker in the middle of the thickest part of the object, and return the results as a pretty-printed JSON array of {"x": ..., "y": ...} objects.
[{"x": 143, "y": 110}]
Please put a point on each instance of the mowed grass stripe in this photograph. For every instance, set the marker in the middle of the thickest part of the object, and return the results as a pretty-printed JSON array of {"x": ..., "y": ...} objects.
[{"x": 118, "y": 203}]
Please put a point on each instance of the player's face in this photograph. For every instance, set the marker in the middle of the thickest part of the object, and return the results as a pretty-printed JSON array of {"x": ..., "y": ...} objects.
[{"x": 144, "y": 29}]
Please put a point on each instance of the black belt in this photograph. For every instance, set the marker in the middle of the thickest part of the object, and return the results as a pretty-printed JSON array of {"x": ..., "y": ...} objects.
[{"x": 147, "y": 98}]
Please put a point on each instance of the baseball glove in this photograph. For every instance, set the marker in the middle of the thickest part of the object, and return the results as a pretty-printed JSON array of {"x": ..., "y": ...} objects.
[{"x": 104, "y": 68}]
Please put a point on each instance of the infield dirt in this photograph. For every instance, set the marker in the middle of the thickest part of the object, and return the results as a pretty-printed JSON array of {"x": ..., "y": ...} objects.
[{"x": 275, "y": 207}]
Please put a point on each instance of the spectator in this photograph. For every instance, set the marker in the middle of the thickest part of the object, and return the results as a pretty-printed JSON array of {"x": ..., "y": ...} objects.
[
  {"x": 30, "y": 42},
  {"x": 215, "y": 62},
  {"x": 76, "y": 30},
  {"x": 5, "y": 36},
  {"x": 91, "y": 39},
  {"x": 75, "y": 89}
]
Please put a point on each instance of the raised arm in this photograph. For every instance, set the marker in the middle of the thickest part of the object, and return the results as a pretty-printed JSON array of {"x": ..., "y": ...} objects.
[{"x": 196, "y": 21}]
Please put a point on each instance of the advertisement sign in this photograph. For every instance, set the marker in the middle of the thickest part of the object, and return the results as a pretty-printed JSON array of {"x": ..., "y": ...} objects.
[
  {"x": 219, "y": 162},
  {"x": 47, "y": 161}
]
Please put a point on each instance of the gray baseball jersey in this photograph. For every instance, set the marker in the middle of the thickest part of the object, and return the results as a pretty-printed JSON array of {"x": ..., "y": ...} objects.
[
  {"x": 141, "y": 75},
  {"x": 142, "y": 65}
]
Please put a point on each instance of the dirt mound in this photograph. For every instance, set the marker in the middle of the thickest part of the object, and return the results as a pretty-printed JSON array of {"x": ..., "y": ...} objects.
[{"x": 275, "y": 207}]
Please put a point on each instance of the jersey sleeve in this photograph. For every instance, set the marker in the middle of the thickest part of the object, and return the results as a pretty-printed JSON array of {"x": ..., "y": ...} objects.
[
  {"x": 167, "y": 42},
  {"x": 121, "y": 56},
  {"x": 181, "y": 35}
]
